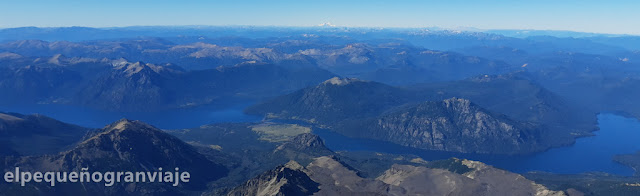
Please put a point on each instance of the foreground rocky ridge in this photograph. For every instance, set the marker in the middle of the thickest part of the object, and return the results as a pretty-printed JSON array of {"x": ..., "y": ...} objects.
[{"x": 328, "y": 176}]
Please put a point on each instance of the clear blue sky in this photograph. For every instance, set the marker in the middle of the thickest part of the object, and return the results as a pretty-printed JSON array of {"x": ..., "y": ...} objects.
[{"x": 602, "y": 16}]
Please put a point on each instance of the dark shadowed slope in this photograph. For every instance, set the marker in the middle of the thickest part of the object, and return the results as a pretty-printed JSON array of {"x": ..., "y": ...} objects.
[
  {"x": 334, "y": 100},
  {"x": 36, "y": 134}
]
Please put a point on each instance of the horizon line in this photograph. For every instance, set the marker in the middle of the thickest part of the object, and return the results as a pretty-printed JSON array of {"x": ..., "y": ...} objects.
[{"x": 434, "y": 28}]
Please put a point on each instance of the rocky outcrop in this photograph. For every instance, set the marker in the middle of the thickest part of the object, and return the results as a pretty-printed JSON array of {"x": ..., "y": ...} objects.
[
  {"x": 501, "y": 181},
  {"x": 288, "y": 179},
  {"x": 307, "y": 143},
  {"x": 454, "y": 124}
]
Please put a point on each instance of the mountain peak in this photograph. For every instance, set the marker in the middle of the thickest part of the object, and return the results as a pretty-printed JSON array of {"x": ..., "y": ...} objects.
[
  {"x": 326, "y": 24},
  {"x": 283, "y": 180},
  {"x": 133, "y": 68},
  {"x": 454, "y": 101},
  {"x": 56, "y": 59},
  {"x": 341, "y": 81},
  {"x": 293, "y": 165},
  {"x": 306, "y": 142},
  {"x": 125, "y": 124},
  {"x": 136, "y": 146}
]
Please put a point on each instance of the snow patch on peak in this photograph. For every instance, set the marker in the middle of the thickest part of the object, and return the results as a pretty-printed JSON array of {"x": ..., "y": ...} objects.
[
  {"x": 341, "y": 81},
  {"x": 134, "y": 68},
  {"x": 326, "y": 24}
]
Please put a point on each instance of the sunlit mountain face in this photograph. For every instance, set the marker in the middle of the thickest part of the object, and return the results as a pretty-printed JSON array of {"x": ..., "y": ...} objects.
[{"x": 355, "y": 99}]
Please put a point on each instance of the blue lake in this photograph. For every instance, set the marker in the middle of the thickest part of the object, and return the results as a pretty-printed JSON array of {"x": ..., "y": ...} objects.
[{"x": 617, "y": 135}]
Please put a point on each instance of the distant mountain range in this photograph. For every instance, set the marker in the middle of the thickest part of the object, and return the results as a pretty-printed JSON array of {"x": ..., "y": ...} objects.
[
  {"x": 391, "y": 56},
  {"x": 391, "y": 62},
  {"x": 131, "y": 86}
]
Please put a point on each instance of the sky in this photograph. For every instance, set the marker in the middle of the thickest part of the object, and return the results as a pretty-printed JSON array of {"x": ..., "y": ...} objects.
[{"x": 598, "y": 16}]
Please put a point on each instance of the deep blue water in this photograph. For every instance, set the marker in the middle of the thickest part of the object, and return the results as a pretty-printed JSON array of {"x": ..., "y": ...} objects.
[
  {"x": 170, "y": 119},
  {"x": 617, "y": 135}
]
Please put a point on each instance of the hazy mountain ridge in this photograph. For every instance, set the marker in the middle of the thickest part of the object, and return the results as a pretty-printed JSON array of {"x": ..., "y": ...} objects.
[
  {"x": 35, "y": 84},
  {"x": 121, "y": 85},
  {"x": 601, "y": 90},
  {"x": 521, "y": 99},
  {"x": 385, "y": 62},
  {"x": 576, "y": 61},
  {"x": 600, "y": 82}
]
